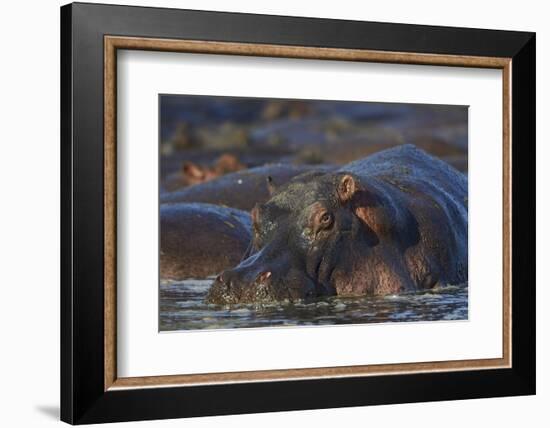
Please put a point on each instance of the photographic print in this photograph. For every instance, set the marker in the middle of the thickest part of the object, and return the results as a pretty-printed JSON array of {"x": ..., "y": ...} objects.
[{"x": 287, "y": 212}]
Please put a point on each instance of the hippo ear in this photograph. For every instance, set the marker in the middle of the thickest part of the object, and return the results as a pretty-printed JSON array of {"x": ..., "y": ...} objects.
[
  {"x": 228, "y": 163},
  {"x": 347, "y": 186},
  {"x": 270, "y": 185},
  {"x": 192, "y": 170}
]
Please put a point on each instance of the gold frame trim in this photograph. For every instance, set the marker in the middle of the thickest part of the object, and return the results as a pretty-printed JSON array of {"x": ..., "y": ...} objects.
[{"x": 113, "y": 43}]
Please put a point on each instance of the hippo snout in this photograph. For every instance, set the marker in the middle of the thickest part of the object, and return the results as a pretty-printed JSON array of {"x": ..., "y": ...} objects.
[
  {"x": 265, "y": 286},
  {"x": 233, "y": 278},
  {"x": 241, "y": 286}
]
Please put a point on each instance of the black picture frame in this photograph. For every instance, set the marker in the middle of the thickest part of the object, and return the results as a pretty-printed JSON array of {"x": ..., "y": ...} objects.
[{"x": 83, "y": 399}]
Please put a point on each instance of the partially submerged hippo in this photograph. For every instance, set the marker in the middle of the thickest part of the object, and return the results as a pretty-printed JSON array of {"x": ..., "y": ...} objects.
[
  {"x": 395, "y": 221},
  {"x": 198, "y": 240},
  {"x": 195, "y": 173},
  {"x": 241, "y": 190}
]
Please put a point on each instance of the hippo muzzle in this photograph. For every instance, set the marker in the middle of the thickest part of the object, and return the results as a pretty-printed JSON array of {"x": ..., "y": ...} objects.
[{"x": 261, "y": 279}]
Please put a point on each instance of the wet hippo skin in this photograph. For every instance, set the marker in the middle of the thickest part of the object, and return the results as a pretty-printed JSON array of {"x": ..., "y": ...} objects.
[
  {"x": 392, "y": 222},
  {"x": 198, "y": 240},
  {"x": 242, "y": 189}
]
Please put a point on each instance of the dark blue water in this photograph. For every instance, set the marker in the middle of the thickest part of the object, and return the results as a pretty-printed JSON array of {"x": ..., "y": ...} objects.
[{"x": 182, "y": 307}]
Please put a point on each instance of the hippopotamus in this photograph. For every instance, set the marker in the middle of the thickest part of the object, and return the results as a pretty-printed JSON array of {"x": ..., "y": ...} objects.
[
  {"x": 199, "y": 240},
  {"x": 396, "y": 221},
  {"x": 242, "y": 189},
  {"x": 192, "y": 173}
]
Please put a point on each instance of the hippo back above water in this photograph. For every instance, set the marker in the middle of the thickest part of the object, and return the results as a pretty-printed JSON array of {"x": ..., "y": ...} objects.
[
  {"x": 392, "y": 222},
  {"x": 198, "y": 240},
  {"x": 242, "y": 189}
]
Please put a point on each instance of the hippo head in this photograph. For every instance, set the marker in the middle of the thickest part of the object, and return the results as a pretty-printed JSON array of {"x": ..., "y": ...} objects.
[{"x": 300, "y": 236}]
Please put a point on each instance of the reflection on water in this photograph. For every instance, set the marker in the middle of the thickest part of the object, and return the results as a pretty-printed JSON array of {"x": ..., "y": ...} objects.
[{"x": 182, "y": 307}]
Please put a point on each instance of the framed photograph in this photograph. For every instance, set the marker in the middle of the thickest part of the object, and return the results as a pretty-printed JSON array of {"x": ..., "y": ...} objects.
[{"x": 267, "y": 213}]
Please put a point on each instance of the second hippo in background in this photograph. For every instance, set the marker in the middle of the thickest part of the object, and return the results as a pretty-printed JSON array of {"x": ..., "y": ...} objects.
[
  {"x": 393, "y": 222},
  {"x": 196, "y": 173},
  {"x": 199, "y": 240},
  {"x": 243, "y": 189}
]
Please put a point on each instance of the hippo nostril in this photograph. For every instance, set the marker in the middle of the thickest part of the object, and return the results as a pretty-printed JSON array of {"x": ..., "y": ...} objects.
[{"x": 264, "y": 276}]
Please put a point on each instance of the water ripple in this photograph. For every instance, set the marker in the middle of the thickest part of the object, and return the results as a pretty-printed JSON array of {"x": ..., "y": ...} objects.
[{"x": 182, "y": 307}]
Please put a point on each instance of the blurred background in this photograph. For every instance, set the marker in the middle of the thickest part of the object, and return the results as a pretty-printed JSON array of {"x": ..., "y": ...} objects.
[{"x": 203, "y": 137}]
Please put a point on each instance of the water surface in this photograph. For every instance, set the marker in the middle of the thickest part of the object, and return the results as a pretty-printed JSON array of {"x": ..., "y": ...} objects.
[{"x": 182, "y": 307}]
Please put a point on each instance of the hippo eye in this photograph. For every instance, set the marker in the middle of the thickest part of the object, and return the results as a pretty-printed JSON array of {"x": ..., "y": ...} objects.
[{"x": 325, "y": 219}]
